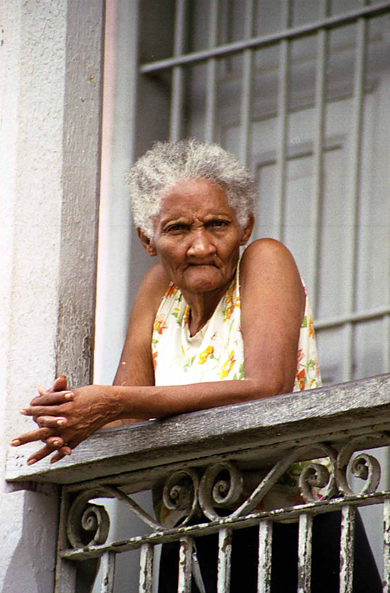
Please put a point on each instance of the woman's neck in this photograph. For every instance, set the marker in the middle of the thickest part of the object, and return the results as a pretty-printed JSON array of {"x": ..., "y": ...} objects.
[{"x": 202, "y": 307}]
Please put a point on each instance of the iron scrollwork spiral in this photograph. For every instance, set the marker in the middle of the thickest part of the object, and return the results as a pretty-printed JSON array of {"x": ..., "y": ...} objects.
[
  {"x": 363, "y": 466},
  {"x": 180, "y": 494},
  {"x": 221, "y": 486},
  {"x": 88, "y": 523},
  {"x": 317, "y": 480}
]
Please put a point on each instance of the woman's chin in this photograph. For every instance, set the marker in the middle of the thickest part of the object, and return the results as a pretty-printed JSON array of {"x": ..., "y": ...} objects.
[{"x": 204, "y": 279}]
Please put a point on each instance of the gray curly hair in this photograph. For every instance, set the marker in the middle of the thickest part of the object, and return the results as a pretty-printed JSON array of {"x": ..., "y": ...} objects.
[{"x": 165, "y": 164}]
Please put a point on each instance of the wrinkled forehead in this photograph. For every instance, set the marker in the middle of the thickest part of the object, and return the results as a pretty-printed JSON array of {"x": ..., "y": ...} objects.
[{"x": 194, "y": 195}]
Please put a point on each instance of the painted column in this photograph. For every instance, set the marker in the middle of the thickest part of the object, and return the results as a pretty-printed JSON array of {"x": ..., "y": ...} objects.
[{"x": 50, "y": 127}]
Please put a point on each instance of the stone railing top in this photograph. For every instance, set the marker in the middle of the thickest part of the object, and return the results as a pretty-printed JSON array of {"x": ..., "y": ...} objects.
[{"x": 253, "y": 429}]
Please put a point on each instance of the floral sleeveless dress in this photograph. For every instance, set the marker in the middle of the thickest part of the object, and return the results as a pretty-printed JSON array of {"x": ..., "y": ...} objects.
[{"x": 216, "y": 352}]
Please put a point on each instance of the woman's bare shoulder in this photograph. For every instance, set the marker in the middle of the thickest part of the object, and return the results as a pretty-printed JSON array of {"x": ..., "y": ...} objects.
[
  {"x": 136, "y": 366},
  {"x": 153, "y": 287},
  {"x": 268, "y": 267},
  {"x": 265, "y": 251}
]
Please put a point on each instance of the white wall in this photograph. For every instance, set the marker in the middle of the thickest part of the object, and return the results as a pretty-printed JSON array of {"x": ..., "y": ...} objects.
[{"x": 50, "y": 101}]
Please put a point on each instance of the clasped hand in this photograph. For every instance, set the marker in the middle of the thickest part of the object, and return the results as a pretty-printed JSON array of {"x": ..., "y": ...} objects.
[{"x": 65, "y": 418}]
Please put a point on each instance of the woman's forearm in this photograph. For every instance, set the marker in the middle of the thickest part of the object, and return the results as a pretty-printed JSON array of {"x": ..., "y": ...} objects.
[{"x": 162, "y": 401}]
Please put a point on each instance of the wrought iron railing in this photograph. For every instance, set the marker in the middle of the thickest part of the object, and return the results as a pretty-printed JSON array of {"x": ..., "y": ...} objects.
[{"x": 213, "y": 469}]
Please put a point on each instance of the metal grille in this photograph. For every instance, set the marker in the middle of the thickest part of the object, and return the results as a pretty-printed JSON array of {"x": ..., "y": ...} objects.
[
  {"x": 250, "y": 58},
  {"x": 186, "y": 563}
]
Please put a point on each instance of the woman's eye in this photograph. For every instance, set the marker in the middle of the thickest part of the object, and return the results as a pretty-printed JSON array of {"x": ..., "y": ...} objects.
[
  {"x": 219, "y": 223},
  {"x": 175, "y": 228}
]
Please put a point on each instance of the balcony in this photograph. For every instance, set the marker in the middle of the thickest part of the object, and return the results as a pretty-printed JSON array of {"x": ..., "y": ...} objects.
[{"x": 206, "y": 460}]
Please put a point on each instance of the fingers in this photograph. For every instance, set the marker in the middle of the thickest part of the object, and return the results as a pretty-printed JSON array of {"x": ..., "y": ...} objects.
[
  {"x": 60, "y": 454},
  {"x": 51, "y": 399},
  {"x": 55, "y": 441},
  {"x": 38, "y": 410},
  {"x": 47, "y": 450},
  {"x": 40, "y": 454},
  {"x": 60, "y": 384},
  {"x": 52, "y": 421},
  {"x": 29, "y": 437},
  {"x": 57, "y": 456}
]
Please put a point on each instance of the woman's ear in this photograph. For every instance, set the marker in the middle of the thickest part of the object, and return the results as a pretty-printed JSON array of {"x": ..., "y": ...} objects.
[
  {"x": 247, "y": 231},
  {"x": 148, "y": 244}
]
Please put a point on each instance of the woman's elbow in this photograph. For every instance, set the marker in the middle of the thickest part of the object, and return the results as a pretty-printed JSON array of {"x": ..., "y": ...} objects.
[{"x": 271, "y": 386}]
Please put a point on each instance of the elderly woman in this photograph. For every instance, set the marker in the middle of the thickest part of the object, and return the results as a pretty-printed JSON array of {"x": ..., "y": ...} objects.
[{"x": 208, "y": 327}]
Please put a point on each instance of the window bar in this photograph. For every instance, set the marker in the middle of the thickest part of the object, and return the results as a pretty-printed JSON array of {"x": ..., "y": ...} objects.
[
  {"x": 229, "y": 49},
  {"x": 177, "y": 101},
  {"x": 386, "y": 344},
  {"x": 146, "y": 569},
  {"x": 304, "y": 553},
  {"x": 224, "y": 559},
  {"x": 318, "y": 157},
  {"x": 280, "y": 191},
  {"x": 355, "y": 317},
  {"x": 185, "y": 564},
  {"x": 386, "y": 545},
  {"x": 212, "y": 65},
  {"x": 108, "y": 572},
  {"x": 346, "y": 548},
  {"x": 354, "y": 193},
  {"x": 229, "y": 35},
  {"x": 265, "y": 557},
  {"x": 247, "y": 87}
]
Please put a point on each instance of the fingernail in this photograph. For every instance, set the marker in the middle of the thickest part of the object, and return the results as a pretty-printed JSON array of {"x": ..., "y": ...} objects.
[
  {"x": 61, "y": 422},
  {"x": 62, "y": 377},
  {"x": 57, "y": 442},
  {"x": 53, "y": 460},
  {"x": 15, "y": 443},
  {"x": 31, "y": 461},
  {"x": 40, "y": 388},
  {"x": 24, "y": 412},
  {"x": 68, "y": 452},
  {"x": 69, "y": 395}
]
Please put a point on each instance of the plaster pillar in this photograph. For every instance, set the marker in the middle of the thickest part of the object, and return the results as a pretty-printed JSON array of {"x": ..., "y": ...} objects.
[{"x": 50, "y": 136}]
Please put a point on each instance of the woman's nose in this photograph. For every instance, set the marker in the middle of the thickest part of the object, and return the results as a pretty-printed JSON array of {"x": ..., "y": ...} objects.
[{"x": 201, "y": 245}]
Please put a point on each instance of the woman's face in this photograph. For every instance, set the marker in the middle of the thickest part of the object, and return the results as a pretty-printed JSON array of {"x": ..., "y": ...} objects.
[{"x": 197, "y": 237}]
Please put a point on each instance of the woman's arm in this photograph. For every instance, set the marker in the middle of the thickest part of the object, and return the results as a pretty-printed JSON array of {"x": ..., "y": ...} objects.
[
  {"x": 136, "y": 366},
  {"x": 272, "y": 301}
]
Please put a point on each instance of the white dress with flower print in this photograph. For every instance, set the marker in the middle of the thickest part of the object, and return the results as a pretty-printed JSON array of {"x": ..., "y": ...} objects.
[{"x": 216, "y": 352}]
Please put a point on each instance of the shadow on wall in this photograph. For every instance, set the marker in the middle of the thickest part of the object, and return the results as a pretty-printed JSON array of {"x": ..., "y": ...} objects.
[{"x": 33, "y": 561}]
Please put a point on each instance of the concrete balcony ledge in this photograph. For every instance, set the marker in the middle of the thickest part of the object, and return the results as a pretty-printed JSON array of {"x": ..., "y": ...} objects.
[{"x": 255, "y": 434}]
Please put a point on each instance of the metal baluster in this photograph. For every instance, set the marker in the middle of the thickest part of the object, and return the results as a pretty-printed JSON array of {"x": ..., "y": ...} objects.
[
  {"x": 346, "y": 548},
  {"x": 108, "y": 572},
  {"x": 224, "y": 560},
  {"x": 212, "y": 65},
  {"x": 280, "y": 190},
  {"x": 185, "y": 565},
  {"x": 318, "y": 157},
  {"x": 353, "y": 195},
  {"x": 304, "y": 553},
  {"x": 146, "y": 569},
  {"x": 177, "y": 100},
  {"x": 247, "y": 86},
  {"x": 386, "y": 546},
  {"x": 386, "y": 344},
  {"x": 265, "y": 557}
]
